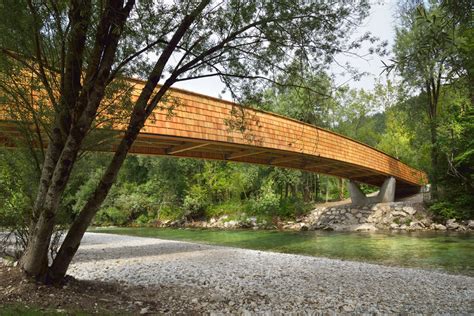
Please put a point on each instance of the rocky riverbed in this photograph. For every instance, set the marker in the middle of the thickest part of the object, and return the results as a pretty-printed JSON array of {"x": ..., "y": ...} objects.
[{"x": 215, "y": 279}]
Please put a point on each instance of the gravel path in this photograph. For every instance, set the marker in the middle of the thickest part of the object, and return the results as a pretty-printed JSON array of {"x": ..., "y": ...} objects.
[{"x": 222, "y": 280}]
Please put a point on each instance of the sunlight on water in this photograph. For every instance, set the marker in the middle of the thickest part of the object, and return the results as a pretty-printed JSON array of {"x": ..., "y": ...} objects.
[{"x": 449, "y": 252}]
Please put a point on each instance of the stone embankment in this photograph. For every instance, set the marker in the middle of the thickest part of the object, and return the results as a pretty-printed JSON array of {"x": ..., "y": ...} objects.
[{"x": 403, "y": 216}]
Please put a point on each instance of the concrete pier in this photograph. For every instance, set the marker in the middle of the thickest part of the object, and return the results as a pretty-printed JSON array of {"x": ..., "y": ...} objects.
[{"x": 386, "y": 193}]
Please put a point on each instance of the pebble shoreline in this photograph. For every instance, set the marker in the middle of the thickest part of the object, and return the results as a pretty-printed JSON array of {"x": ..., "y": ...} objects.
[{"x": 219, "y": 279}]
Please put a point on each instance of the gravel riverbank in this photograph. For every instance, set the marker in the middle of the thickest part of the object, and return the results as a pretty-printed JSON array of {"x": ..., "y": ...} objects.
[{"x": 229, "y": 280}]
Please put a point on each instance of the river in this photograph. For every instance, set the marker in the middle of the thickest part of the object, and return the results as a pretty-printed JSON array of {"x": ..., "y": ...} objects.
[{"x": 442, "y": 251}]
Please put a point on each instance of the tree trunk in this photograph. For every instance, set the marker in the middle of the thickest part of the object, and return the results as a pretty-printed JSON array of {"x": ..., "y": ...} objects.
[
  {"x": 85, "y": 104},
  {"x": 316, "y": 187},
  {"x": 35, "y": 259},
  {"x": 434, "y": 160},
  {"x": 78, "y": 228},
  {"x": 341, "y": 189},
  {"x": 306, "y": 187},
  {"x": 140, "y": 113},
  {"x": 327, "y": 189}
]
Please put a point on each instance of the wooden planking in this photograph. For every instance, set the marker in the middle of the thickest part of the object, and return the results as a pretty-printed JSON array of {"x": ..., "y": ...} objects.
[
  {"x": 291, "y": 138},
  {"x": 198, "y": 129}
]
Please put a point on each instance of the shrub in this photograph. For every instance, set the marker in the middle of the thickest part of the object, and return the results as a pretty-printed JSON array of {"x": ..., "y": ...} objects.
[
  {"x": 112, "y": 216},
  {"x": 447, "y": 210},
  {"x": 143, "y": 219},
  {"x": 170, "y": 212},
  {"x": 227, "y": 208},
  {"x": 196, "y": 202},
  {"x": 293, "y": 207}
]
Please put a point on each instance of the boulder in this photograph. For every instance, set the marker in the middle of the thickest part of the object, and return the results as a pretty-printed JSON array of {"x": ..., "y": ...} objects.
[
  {"x": 470, "y": 224},
  {"x": 438, "y": 226},
  {"x": 365, "y": 228},
  {"x": 231, "y": 224},
  {"x": 394, "y": 226},
  {"x": 304, "y": 227},
  {"x": 409, "y": 210},
  {"x": 416, "y": 226},
  {"x": 399, "y": 213},
  {"x": 451, "y": 224}
]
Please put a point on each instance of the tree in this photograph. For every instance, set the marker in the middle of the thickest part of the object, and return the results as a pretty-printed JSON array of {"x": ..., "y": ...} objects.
[
  {"x": 75, "y": 51},
  {"x": 427, "y": 54}
]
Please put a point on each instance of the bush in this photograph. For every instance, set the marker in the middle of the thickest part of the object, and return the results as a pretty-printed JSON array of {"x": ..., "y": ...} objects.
[
  {"x": 267, "y": 203},
  {"x": 460, "y": 207},
  {"x": 112, "y": 216},
  {"x": 170, "y": 212},
  {"x": 143, "y": 219},
  {"x": 293, "y": 207},
  {"x": 196, "y": 202},
  {"x": 227, "y": 208}
]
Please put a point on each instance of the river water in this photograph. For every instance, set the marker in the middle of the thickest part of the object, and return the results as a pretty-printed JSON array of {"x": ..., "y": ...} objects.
[{"x": 443, "y": 251}]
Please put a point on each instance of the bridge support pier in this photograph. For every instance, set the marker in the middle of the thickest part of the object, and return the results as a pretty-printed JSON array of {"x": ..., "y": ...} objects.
[{"x": 386, "y": 193}]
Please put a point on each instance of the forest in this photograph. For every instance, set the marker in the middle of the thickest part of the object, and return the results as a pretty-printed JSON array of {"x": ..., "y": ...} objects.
[{"x": 424, "y": 117}]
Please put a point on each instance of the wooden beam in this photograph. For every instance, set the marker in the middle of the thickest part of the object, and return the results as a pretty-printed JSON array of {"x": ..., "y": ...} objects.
[
  {"x": 318, "y": 165},
  {"x": 276, "y": 161},
  {"x": 244, "y": 153},
  {"x": 185, "y": 147}
]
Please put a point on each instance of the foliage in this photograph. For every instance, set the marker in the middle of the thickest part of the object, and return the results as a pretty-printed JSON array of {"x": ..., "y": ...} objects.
[{"x": 271, "y": 54}]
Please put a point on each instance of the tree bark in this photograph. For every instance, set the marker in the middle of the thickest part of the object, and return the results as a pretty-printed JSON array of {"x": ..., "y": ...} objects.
[
  {"x": 341, "y": 189},
  {"x": 35, "y": 259},
  {"x": 140, "y": 113}
]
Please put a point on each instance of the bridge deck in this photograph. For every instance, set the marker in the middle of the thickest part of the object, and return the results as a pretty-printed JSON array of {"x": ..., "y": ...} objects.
[{"x": 200, "y": 128}]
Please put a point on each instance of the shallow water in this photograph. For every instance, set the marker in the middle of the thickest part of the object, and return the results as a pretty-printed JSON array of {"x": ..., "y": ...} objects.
[{"x": 448, "y": 252}]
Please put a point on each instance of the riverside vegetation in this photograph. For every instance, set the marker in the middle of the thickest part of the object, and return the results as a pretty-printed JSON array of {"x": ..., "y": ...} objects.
[{"x": 425, "y": 120}]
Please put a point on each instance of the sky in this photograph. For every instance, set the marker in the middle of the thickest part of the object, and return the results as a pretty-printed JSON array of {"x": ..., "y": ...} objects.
[{"x": 380, "y": 23}]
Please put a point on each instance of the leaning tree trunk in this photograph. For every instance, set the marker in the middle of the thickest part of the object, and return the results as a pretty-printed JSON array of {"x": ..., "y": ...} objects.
[
  {"x": 141, "y": 112},
  {"x": 78, "y": 228},
  {"x": 35, "y": 259}
]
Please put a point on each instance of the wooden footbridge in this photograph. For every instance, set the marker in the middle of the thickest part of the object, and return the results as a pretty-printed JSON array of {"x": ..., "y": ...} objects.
[{"x": 209, "y": 128}]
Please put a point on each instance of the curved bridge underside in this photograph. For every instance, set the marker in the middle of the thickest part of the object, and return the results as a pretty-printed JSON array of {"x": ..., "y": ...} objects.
[{"x": 208, "y": 128}]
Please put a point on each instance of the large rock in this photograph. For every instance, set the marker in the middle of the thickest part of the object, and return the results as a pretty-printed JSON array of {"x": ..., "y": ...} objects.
[
  {"x": 451, "y": 224},
  {"x": 394, "y": 226},
  {"x": 470, "y": 224},
  {"x": 231, "y": 224},
  {"x": 365, "y": 228},
  {"x": 409, "y": 210},
  {"x": 399, "y": 213},
  {"x": 416, "y": 226},
  {"x": 438, "y": 227}
]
